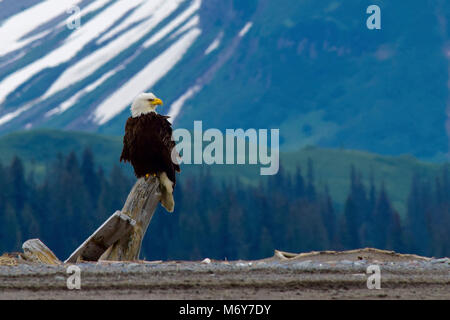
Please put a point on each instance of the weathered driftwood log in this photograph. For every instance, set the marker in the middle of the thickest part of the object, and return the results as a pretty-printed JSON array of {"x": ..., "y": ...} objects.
[
  {"x": 35, "y": 251},
  {"x": 140, "y": 206},
  {"x": 120, "y": 237},
  {"x": 113, "y": 229}
]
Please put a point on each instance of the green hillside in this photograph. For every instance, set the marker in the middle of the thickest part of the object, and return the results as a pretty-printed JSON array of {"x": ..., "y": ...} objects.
[
  {"x": 39, "y": 147},
  {"x": 332, "y": 166}
]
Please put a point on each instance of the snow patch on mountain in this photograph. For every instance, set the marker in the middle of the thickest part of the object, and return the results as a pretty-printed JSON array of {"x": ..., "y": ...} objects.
[
  {"x": 179, "y": 103},
  {"x": 114, "y": 27},
  {"x": 193, "y": 22},
  {"x": 174, "y": 23},
  {"x": 75, "y": 42},
  {"x": 14, "y": 29},
  {"x": 145, "y": 79},
  {"x": 9, "y": 116},
  {"x": 215, "y": 44},
  {"x": 143, "y": 11},
  {"x": 88, "y": 65},
  {"x": 74, "y": 99},
  {"x": 245, "y": 29}
]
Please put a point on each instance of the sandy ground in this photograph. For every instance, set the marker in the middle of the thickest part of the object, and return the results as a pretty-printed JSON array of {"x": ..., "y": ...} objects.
[{"x": 308, "y": 276}]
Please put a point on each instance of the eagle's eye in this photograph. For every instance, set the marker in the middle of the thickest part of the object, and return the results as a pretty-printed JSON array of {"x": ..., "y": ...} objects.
[{"x": 150, "y": 100}]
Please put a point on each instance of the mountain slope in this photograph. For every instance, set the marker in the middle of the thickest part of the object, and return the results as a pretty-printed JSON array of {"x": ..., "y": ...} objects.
[{"x": 313, "y": 70}]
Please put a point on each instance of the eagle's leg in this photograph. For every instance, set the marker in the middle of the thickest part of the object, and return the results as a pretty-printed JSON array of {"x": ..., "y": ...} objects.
[{"x": 166, "y": 187}]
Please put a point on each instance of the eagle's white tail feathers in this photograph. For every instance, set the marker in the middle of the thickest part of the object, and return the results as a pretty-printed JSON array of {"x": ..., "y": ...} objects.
[{"x": 166, "y": 187}]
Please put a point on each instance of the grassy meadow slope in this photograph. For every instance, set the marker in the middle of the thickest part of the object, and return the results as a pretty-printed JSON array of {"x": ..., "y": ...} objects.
[{"x": 39, "y": 147}]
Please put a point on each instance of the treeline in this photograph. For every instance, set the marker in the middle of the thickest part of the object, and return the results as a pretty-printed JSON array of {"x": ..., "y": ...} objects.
[
  {"x": 222, "y": 220},
  {"x": 73, "y": 199}
]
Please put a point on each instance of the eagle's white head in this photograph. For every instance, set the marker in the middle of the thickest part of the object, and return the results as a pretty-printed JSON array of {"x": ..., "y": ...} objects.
[{"x": 144, "y": 103}]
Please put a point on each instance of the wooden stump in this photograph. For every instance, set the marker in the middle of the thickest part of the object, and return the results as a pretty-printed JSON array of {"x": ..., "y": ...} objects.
[
  {"x": 120, "y": 237},
  {"x": 113, "y": 229},
  {"x": 140, "y": 206},
  {"x": 35, "y": 251}
]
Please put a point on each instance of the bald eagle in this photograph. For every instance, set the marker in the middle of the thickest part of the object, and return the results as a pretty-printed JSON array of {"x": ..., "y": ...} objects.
[{"x": 148, "y": 145}]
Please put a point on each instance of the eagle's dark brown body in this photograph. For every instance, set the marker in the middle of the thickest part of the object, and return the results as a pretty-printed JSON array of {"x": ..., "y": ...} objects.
[{"x": 148, "y": 145}]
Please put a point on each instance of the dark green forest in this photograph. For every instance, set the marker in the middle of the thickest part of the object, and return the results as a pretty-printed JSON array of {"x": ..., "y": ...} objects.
[{"x": 222, "y": 220}]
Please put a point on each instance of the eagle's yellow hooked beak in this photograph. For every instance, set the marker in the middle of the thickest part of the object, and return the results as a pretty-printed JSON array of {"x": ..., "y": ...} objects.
[{"x": 157, "y": 102}]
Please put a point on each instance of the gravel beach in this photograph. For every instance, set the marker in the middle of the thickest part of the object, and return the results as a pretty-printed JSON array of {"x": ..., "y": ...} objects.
[{"x": 313, "y": 276}]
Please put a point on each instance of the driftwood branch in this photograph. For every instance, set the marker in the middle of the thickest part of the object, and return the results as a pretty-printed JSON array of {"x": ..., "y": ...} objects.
[
  {"x": 113, "y": 229},
  {"x": 35, "y": 251},
  {"x": 120, "y": 237}
]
